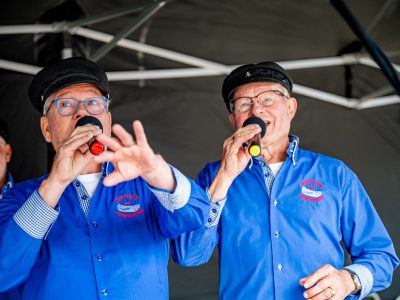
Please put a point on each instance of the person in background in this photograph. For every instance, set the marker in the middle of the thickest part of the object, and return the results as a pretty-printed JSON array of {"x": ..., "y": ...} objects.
[
  {"x": 95, "y": 227},
  {"x": 6, "y": 183},
  {"x": 279, "y": 218},
  {"x": 6, "y": 180}
]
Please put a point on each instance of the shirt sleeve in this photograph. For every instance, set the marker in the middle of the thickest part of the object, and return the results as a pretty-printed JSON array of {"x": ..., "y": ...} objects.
[
  {"x": 366, "y": 238},
  {"x": 215, "y": 211},
  {"x": 179, "y": 197},
  {"x": 35, "y": 217},
  {"x": 365, "y": 277}
]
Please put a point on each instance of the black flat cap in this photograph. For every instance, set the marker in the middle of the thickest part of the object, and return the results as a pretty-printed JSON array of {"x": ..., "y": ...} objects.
[
  {"x": 4, "y": 131},
  {"x": 259, "y": 72},
  {"x": 63, "y": 73}
]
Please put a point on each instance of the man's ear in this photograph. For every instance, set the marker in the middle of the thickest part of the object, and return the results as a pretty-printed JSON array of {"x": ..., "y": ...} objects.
[
  {"x": 8, "y": 152},
  {"x": 44, "y": 126},
  {"x": 292, "y": 107}
]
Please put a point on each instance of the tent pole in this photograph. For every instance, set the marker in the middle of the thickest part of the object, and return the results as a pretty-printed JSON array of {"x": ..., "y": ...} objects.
[
  {"x": 137, "y": 22},
  {"x": 369, "y": 44}
]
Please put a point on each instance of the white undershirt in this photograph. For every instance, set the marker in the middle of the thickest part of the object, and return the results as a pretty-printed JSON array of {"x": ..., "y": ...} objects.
[
  {"x": 275, "y": 167},
  {"x": 90, "y": 182}
]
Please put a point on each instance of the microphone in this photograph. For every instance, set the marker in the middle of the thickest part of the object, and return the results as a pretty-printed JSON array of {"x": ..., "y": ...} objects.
[
  {"x": 254, "y": 144},
  {"x": 95, "y": 147}
]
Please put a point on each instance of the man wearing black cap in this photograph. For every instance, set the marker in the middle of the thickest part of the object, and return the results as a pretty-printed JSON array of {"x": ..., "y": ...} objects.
[
  {"x": 96, "y": 226},
  {"x": 279, "y": 218}
]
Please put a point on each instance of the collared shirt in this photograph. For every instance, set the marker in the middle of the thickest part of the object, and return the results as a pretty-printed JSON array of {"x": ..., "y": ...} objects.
[
  {"x": 267, "y": 243},
  {"x": 12, "y": 294},
  {"x": 8, "y": 185},
  {"x": 117, "y": 249}
]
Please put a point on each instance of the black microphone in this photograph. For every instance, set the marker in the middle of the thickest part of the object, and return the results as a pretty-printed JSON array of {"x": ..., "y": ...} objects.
[
  {"x": 95, "y": 147},
  {"x": 254, "y": 144}
]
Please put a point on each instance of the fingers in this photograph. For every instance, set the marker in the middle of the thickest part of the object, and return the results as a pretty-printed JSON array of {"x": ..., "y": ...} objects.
[
  {"x": 80, "y": 136},
  {"x": 139, "y": 133},
  {"x": 322, "y": 290},
  {"x": 327, "y": 283},
  {"x": 109, "y": 142},
  {"x": 104, "y": 157},
  {"x": 124, "y": 137},
  {"x": 312, "y": 279},
  {"x": 113, "y": 179},
  {"x": 244, "y": 134}
]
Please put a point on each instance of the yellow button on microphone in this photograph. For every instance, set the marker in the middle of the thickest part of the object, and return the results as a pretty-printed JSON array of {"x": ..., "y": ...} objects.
[{"x": 255, "y": 150}]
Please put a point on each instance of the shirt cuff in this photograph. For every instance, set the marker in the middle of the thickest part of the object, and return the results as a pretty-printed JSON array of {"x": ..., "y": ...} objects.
[
  {"x": 178, "y": 198},
  {"x": 35, "y": 216},
  {"x": 215, "y": 211},
  {"x": 365, "y": 277}
]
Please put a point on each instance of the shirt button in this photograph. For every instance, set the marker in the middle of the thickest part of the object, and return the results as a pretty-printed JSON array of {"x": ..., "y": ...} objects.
[
  {"x": 280, "y": 267},
  {"x": 84, "y": 197},
  {"x": 94, "y": 224},
  {"x": 78, "y": 184},
  {"x": 209, "y": 220},
  {"x": 214, "y": 210},
  {"x": 276, "y": 234},
  {"x": 267, "y": 175},
  {"x": 104, "y": 292},
  {"x": 99, "y": 257},
  {"x": 275, "y": 202}
]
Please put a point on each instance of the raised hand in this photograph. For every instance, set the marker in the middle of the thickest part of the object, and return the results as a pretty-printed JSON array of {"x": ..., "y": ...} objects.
[
  {"x": 234, "y": 160},
  {"x": 72, "y": 157},
  {"x": 134, "y": 158}
]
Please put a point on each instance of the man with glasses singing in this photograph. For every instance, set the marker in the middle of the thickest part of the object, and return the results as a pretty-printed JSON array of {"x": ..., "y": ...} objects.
[
  {"x": 279, "y": 218},
  {"x": 95, "y": 227}
]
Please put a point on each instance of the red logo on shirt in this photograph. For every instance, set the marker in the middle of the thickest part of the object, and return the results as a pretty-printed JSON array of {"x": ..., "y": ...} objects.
[
  {"x": 128, "y": 206},
  {"x": 311, "y": 190}
]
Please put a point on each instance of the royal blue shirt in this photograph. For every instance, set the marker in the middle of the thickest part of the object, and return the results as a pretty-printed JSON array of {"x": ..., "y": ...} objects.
[
  {"x": 118, "y": 250},
  {"x": 268, "y": 243},
  {"x": 8, "y": 185}
]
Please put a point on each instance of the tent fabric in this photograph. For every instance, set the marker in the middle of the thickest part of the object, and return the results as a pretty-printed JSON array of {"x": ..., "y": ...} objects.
[{"x": 185, "y": 118}]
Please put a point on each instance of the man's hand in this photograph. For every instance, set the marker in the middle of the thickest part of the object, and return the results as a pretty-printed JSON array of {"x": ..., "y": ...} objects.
[
  {"x": 328, "y": 283},
  {"x": 71, "y": 158},
  {"x": 134, "y": 158},
  {"x": 234, "y": 160}
]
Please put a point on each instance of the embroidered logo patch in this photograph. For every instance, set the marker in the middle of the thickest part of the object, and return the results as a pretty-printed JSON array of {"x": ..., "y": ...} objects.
[
  {"x": 128, "y": 206},
  {"x": 311, "y": 190}
]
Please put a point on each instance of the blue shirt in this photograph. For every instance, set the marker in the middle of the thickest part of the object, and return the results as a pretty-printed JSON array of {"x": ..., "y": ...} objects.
[
  {"x": 8, "y": 185},
  {"x": 10, "y": 294},
  {"x": 119, "y": 250},
  {"x": 267, "y": 243}
]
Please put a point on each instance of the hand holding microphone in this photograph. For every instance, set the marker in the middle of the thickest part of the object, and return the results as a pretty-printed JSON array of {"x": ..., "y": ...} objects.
[
  {"x": 254, "y": 144},
  {"x": 95, "y": 147}
]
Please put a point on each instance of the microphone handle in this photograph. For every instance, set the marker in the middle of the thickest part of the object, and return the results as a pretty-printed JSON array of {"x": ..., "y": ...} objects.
[
  {"x": 96, "y": 147},
  {"x": 255, "y": 146}
]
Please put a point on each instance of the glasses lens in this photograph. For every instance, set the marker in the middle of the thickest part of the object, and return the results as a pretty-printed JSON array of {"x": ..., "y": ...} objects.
[
  {"x": 266, "y": 98},
  {"x": 95, "y": 105},
  {"x": 241, "y": 104},
  {"x": 66, "y": 106}
]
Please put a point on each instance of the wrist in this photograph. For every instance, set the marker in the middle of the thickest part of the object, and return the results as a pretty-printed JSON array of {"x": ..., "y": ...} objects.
[
  {"x": 51, "y": 190},
  {"x": 220, "y": 186},
  {"x": 356, "y": 282}
]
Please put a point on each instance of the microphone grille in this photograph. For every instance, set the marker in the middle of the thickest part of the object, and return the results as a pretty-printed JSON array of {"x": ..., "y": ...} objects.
[{"x": 259, "y": 122}]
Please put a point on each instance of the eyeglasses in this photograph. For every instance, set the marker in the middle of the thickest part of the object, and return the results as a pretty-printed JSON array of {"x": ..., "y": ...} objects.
[
  {"x": 69, "y": 106},
  {"x": 266, "y": 98}
]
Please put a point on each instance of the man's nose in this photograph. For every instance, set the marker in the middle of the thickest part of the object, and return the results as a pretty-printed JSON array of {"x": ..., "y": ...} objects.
[
  {"x": 81, "y": 111},
  {"x": 256, "y": 108}
]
